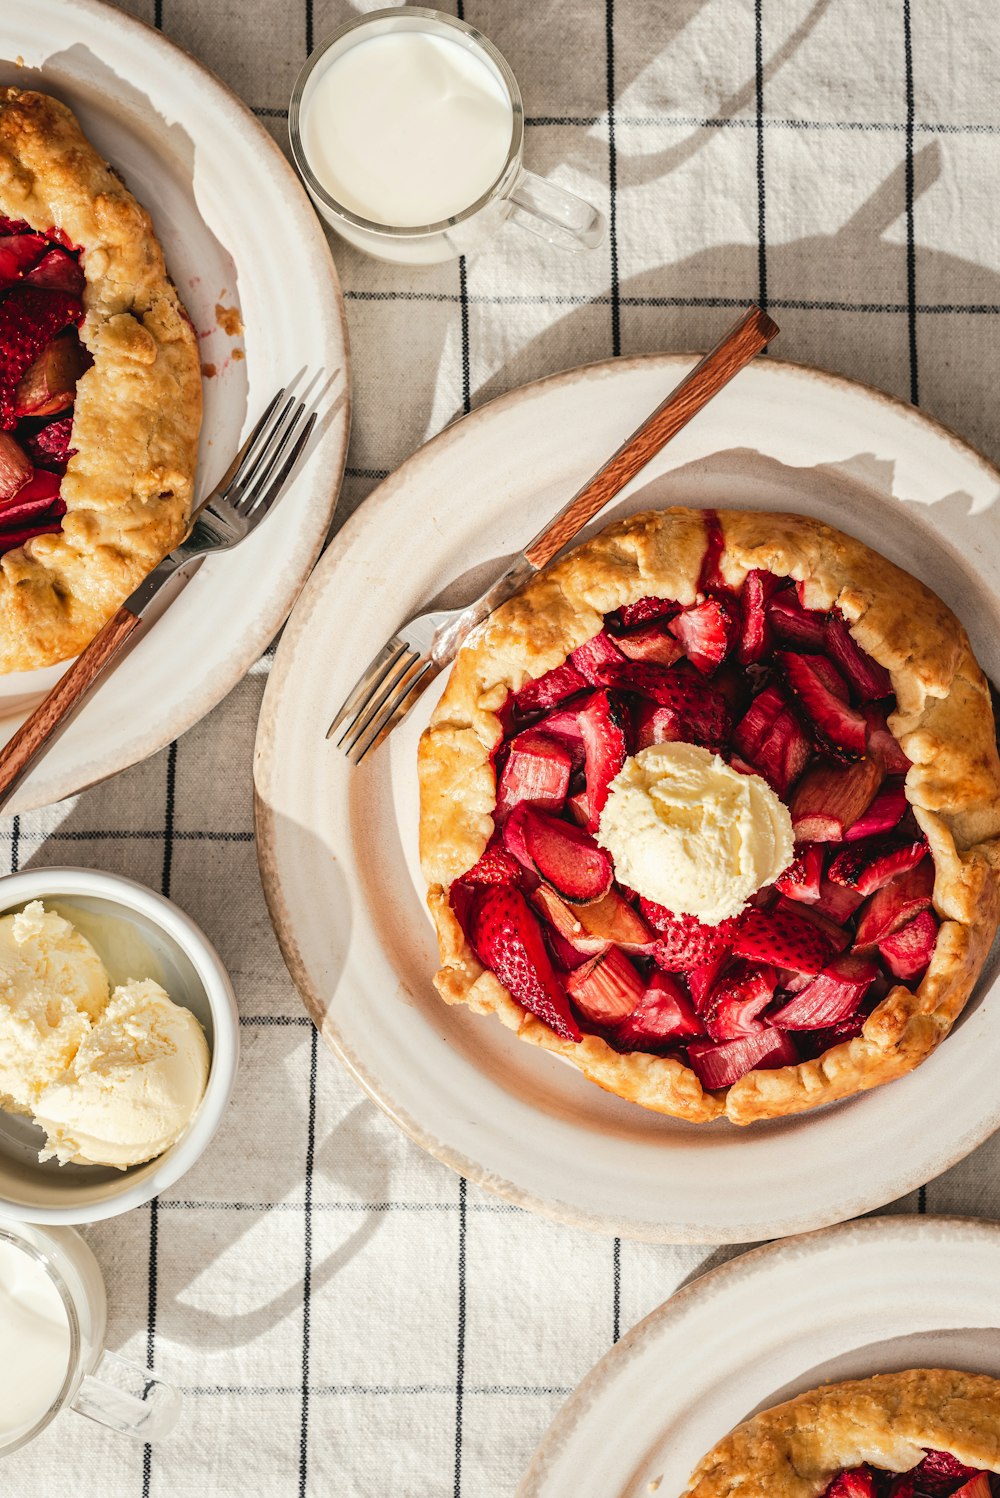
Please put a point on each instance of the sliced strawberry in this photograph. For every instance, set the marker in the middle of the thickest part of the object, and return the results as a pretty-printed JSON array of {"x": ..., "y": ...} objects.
[
  {"x": 830, "y": 798},
  {"x": 908, "y": 951},
  {"x": 900, "y": 1486},
  {"x": 744, "y": 990},
  {"x": 812, "y": 1043},
  {"x": 817, "y": 689},
  {"x": 719, "y": 1064},
  {"x": 15, "y": 467},
  {"x": 896, "y": 903},
  {"x": 858, "y": 1483},
  {"x": 29, "y": 319},
  {"x": 771, "y": 738},
  {"x": 568, "y": 958},
  {"x": 707, "y": 632},
  {"x": 836, "y": 901},
  {"x": 701, "y": 712},
  {"x": 781, "y": 937},
  {"x": 663, "y": 1015},
  {"x": 832, "y": 996},
  {"x": 509, "y": 941},
  {"x": 45, "y": 525},
  {"x": 702, "y": 979},
  {"x": 537, "y": 769},
  {"x": 594, "y": 656},
  {"x": 578, "y": 807},
  {"x": 49, "y": 383},
  {"x": 18, "y": 253},
  {"x": 607, "y": 988},
  {"x": 710, "y": 577},
  {"x": 939, "y": 1472},
  {"x": 603, "y": 724},
  {"x": 652, "y": 724},
  {"x": 57, "y": 271},
  {"x": 591, "y": 928},
  {"x": 885, "y": 812},
  {"x": 685, "y": 942},
  {"x": 650, "y": 642},
  {"x": 883, "y": 742},
  {"x": 755, "y": 628},
  {"x": 495, "y": 866},
  {"x": 801, "y": 880},
  {"x": 831, "y": 929},
  {"x": 736, "y": 685},
  {"x": 565, "y": 856},
  {"x": 868, "y": 865},
  {"x": 644, "y": 610},
  {"x": 549, "y": 690},
  {"x": 864, "y": 675},
  {"x": 795, "y": 625}
]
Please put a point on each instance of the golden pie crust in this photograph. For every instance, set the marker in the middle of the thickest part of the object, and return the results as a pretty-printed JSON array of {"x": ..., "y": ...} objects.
[
  {"x": 890, "y": 1421},
  {"x": 128, "y": 489},
  {"x": 944, "y": 721}
]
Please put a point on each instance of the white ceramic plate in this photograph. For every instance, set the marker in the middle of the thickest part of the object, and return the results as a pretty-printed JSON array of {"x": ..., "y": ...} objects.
[
  {"x": 870, "y": 1297},
  {"x": 338, "y": 844},
  {"x": 216, "y": 185}
]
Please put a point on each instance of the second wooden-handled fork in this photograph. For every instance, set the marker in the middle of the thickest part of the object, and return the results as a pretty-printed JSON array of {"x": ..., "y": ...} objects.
[
  {"x": 248, "y": 489},
  {"x": 410, "y": 660}
]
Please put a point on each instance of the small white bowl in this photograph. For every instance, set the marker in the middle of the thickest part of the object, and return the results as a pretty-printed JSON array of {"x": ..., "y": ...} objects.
[{"x": 132, "y": 929}]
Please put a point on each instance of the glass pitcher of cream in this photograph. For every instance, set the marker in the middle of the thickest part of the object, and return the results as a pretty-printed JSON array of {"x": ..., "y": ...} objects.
[{"x": 408, "y": 130}]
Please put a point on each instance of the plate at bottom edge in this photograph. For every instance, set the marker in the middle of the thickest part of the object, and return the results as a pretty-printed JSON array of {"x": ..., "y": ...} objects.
[
  {"x": 338, "y": 845},
  {"x": 877, "y": 1296}
]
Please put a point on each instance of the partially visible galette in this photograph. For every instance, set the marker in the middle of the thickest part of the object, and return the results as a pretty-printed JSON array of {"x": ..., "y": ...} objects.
[
  {"x": 100, "y": 389},
  {"x": 925, "y": 1433},
  {"x": 712, "y": 809}
]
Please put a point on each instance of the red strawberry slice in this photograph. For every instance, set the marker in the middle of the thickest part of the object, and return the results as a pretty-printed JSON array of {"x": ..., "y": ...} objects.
[
  {"x": 700, "y": 712},
  {"x": 538, "y": 769},
  {"x": 655, "y": 725},
  {"x": 509, "y": 941},
  {"x": 908, "y": 951},
  {"x": 685, "y": 942},
  {"x": 737, "y": 999},
  {"x": 830, "y": 798},
  {"x": 594, "y": 656},
  {"x": 895, "y": 904},
  {"x": 832, "y": 996},
  {"x": 710, "y": 577},
  {"x": 32, "y": 502},
  {"x": 707, "y": 632},
  {"x": 831, "y": 929},
  {"x": 795, "y": 625},
  {"x": 14, "y": 225},
  {"x": 702, "y": 979},
  {"x": 885, "y": 812},
  {"x": 49, "y": 446},
  {"x": 46, "y": 525},
  {"x": 821, "y": 694},
  {"x": 607, "y": 988},
  {"x": 755, "y": 628},
  {"x": 836, "y": 901},
  {"x": 568, "y": 958},
  {"x": 495, "y": 866},
  {"x": 58, "y": 271},
  {"x": 781, "y": 937},
  {"x": 866, "y": 677},
  {"x": 564, "y": 855},
  {"x": 859, "y": 1483},
  {"x": 939, "y": 1472},
  {"x": 812, "y": 1043},
  {"x": 603, "y": 724},
  {"x": 771, "y": 738},
  {"x": 900, "y": 1486},
  {"x": 883, "y": 742},
  {"x": 801, "y": 880},
  {"x": 49, "y": 383},
  {"x": 719, "y": 1064},
  {"x": 644, "y": 610},
  {"x": 663, "y": 1015},
  {"x": 650, "y": 642},
  {"x": 549, "y": 690},
  {"x": 868, "y": 865},
  {"x": 29, "y": 319},
  {"x": 18, "y": 253},
  {"x": 15, "y": 467}
]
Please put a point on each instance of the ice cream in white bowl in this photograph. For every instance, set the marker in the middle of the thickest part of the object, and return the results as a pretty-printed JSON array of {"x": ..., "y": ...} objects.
[{"x": 118, "y": 1044}]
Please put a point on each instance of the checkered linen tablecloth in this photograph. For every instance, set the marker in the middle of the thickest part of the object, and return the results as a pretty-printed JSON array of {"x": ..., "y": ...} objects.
[{"x": 344, "y": 1316}]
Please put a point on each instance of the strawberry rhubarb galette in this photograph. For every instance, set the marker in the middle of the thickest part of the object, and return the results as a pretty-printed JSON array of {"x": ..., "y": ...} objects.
[
  {"x": 712, "y": 809},
  {"x": 100, "y": 389},
  {"x": 926, "y": 1433}
]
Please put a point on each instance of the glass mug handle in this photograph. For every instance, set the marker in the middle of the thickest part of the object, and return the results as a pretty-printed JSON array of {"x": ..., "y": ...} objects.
[
  {"x": 127, "y": 1398},
  {"x": 555, "y": 215}
]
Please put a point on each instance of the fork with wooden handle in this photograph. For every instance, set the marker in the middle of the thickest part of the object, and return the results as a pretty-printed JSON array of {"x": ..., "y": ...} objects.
[{"x": 410, "y": 660}]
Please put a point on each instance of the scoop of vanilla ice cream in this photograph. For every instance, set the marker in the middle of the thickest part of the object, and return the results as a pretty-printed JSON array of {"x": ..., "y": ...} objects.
[
  {"x": 52, "y": 985},
  {"x": 686, "y": 830},
  {"x": 132, "y": 1087}
]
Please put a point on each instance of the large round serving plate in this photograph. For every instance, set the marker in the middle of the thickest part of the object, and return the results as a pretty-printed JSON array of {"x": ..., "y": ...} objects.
[
  {"x": 870, "y": 1297},
  {"x": 267, "y": 308},
  {"x": 338, "y": 845}
]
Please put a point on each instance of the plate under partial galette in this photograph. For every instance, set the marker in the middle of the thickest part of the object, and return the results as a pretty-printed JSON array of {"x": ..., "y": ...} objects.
[
  {"x": 100, "y": 389},
  {"x": 925, "y": 1433},
  {"x": 711, "y": 809}
]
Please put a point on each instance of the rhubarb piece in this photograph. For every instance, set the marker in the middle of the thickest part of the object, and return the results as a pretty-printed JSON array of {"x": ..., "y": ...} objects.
[
  {"x": 591, "y": 928},
  {"x": 48, "y": 384},
  {"x": 707, "y": 632},
  {"x": 858, "y": 1483},
  {"x": 755, "y": 627},
  {"x": 549, "y": 690},
  {"x": 867, "y": 866},
  {"x": 29, "y": 319},
  {"x": 831, "y": 929},
  {"x": 884, "y": 743},
  {"x": 57, "y": 271},
  {"x": 710, "y": 577},
  {"x": 771, "y": 739},
  {"x": 817, "y": 688},
  {"x": 939, "y": 1472},
  {"x": 737, "y": 999},
  {"x": 832, "y": 996},
  {"x": 781, "y": 937},
  {"x": 865, "y": 676},
  {"x": 652, "y": 724},
  {"x": 594, "y": 656},
  {"x": 795, "y": 625},
  {"x": 565, "y": 856},
  {"x": 700, "y": 712},
  {"x": 578, "y": 807},
  {"x": 831, "y": 798},
  {"x": 908, "y": 951},
  {"x": 567, "y": 956},
  {"x": 15, "y": 467},
  {"x": 836, "y": 901},
  {"x": 895, "y": 904},
  {"x": 46, "y": 525},
  {"x": 607, "y": 988},
  {"x": 651, "y": 642},
  {"x": 663, "y": 1015},
  {"x": 538, "y": 769},
  {"x": 18, "y": 253},
  {"x": 702, "y": 979},
  {"x": 885, "y": 812},
  {"x": 495, "y": 866},
  {"x": 644, "y": 610},
  {"x": 564, "y": 921},
  {"x": 603, "y": 723},
  {"x": 509, "y": 941},
  {"x": 801, "y": 880},
  {"x": 976, "y": 1487},
  {"x": 684, "y": 941},
  {"x": 721, "y": 1063},
  {"x": 813, "y": 1043}
]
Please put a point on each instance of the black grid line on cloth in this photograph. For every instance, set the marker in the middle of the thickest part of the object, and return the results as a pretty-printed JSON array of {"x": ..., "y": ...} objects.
[
  {"x": 124, "y": 835},
  {"x": 307, "y": 1267},
  {"x": 551, "y": 299},
  {"x": 206, "y": 1204},
  {"x": 758, "y": 21},
  {"x": 609, "y": 27},
  {"x": 911, "y": 250},
  {"x": 327, "y": 1391}
]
